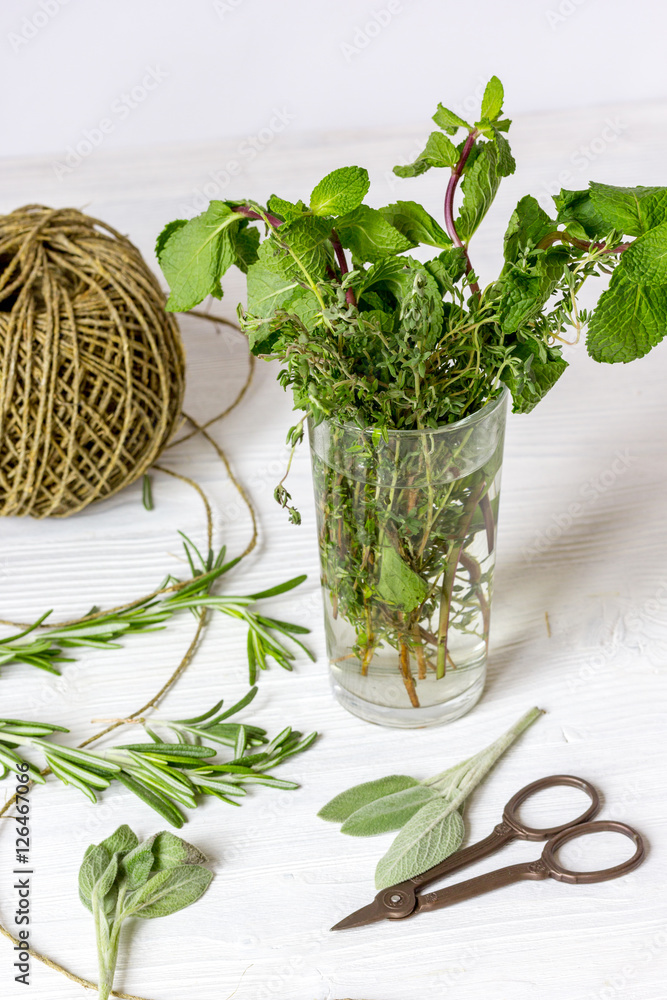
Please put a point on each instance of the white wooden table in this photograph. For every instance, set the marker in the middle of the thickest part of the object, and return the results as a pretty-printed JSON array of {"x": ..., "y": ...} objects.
[{"x": 283, "y": 877}]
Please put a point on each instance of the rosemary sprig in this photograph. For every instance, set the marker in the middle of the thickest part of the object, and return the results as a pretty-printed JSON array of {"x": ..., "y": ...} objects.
[
  {"x": 165, "y": 775},
  {"x": 266, "y": 636}
]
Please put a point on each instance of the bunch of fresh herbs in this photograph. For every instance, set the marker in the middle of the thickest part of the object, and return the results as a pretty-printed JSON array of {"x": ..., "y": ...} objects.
[{"x": 373, "y": 341}]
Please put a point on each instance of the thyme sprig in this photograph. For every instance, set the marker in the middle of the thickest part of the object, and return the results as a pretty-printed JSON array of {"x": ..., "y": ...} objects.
[
  {"x": 166, "y": 775},
  {"x": 266, "y": 635}
]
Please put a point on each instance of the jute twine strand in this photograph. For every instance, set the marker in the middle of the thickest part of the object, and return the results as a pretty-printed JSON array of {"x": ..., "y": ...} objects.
[{"x": 92, "y": 369}]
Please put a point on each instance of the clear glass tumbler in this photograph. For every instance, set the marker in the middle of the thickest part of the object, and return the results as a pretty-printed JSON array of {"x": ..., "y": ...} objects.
[{"x": 407, "y": 527}]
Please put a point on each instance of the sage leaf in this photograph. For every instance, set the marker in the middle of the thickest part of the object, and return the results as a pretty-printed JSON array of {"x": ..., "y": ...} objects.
[
  {"x": 390, "y": 812},
  {"x": 95, "y": 862},
  {"x": 138, "y": 864},
  {"x": 398, "y": 584},
  {"x": 121, "y": 884},
  {"x": 432, "y": 834},
  {"x": 347, "y": 802},
  {"x": 168, "y": 891},
  {"x": 123, "y": 840},
  {"x": 169, "y": 851}
]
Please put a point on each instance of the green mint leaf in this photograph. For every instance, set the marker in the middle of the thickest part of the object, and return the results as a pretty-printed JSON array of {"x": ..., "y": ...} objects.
[
  {"x": 398, "y": 584},
  {"x": 194, "y": 257},
  {"x": 628, "y": 321},
  {"x": 528, "y": 224},
  {"x": 448, "y": 121},
  {"x": 492, "y": 102},
  {"x": 433, "y": 833},
  {"x": 338, "y": 809},
  {"x": 480, "y": 185},
  {"x": 169, "y": 891},
  {"x": 300, "y": 251},
  {"x": 267, "y": 290},
  {"x": 369, "y": 236},
  {"x": 530, "y": 379},
  {"x": 645, "y": 261},
  {"x": 577, "y": 206},
  {"x": 523, "y": 295},
  {"x": 416, "y": 224},
  {"x": 166, "y": 233},
  {"x": 246, "y": 246},
  {"x": 122, "y": 841},
  {"x": 340, "y": 191},
  {"x": 169, "y": 851},
  {"x": 632, "y": 211},
  {"x": 506, "y": 162},
  {"x": 271, "y": 298},
  {"x": 439, "y": 152},
  {"x": 287, "y": 210},
  {"x": 447, "y": 268},
  {"x": 388, "y": 813},
  {"x": 94, "y": 864}
]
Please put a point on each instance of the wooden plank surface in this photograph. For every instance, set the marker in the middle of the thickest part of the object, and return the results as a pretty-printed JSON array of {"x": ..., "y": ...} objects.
[{"x": 283, "y": 877}]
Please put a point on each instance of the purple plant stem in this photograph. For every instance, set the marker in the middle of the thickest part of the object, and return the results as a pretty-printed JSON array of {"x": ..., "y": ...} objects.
[
  {"x": 249, "y": 213},
  {"x": 564, "y": 237},
  {"x": 350, "y": 297},
  {"x": 449, "y": 203}
]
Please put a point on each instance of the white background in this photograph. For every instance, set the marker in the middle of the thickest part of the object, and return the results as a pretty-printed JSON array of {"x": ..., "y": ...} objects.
[
  {"x": 587, "y": 95},
  {"x": 229, "y": 63}
]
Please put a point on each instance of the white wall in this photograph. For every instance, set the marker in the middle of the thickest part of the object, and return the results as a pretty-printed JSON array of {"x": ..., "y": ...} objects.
[{"x": 219, "y": 68}]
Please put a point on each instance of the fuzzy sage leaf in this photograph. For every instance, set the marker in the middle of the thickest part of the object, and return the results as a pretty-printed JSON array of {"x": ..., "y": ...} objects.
[
  {"x": 436, "y": 830},
  {"x": 345, "y": 804},
  {"x": 121, "y": 877}
]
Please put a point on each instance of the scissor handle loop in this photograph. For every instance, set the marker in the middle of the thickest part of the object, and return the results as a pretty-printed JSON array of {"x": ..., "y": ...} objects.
[
  {"x": 563, "y": 874},
  {"x": 511, "y": 811}
]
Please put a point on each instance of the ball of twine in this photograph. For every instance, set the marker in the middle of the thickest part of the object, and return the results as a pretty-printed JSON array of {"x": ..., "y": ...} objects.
[{"x": 92, "y": 367}]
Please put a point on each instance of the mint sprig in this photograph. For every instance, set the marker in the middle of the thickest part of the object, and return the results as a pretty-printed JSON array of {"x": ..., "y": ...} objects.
[{"x": 335, "y": 295}]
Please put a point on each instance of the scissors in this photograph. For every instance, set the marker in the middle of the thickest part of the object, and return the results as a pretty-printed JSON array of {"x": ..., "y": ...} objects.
[{"x": 405, "y": 900}]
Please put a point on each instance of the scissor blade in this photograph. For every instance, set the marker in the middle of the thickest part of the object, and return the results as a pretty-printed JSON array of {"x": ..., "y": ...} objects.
[{"x": 366, "y": 915}]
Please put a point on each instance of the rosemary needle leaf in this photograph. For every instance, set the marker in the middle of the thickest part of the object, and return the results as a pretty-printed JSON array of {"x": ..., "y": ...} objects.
[
  {"x": 160, "y": 803},
  {"x": 202, "y": 718},
  {"x": 245, "y": 700},
  {"x": 281, "y": 588},
  {"x": 147, "y": 492},
  {"x": 169, "y": 748}
]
